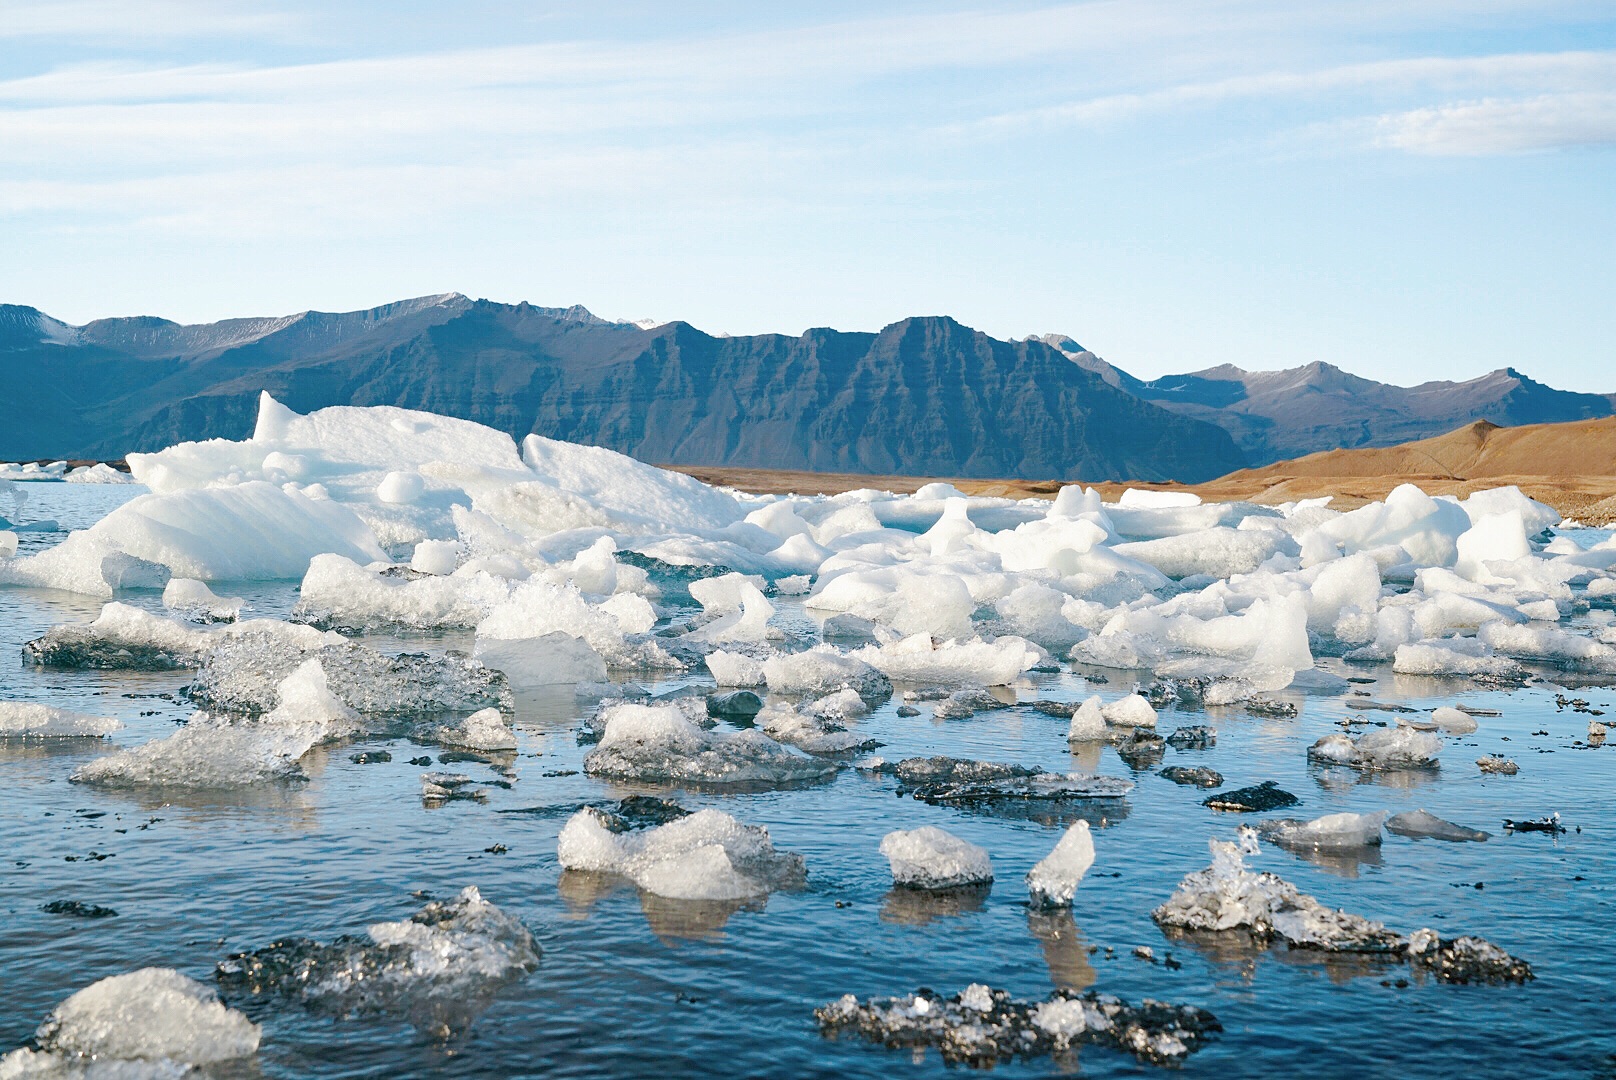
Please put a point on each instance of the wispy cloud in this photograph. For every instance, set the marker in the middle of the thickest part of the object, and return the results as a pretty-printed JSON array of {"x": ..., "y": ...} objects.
[
  {"x": 93, "y": 20},
  {"x": 1484, "y": 128}
]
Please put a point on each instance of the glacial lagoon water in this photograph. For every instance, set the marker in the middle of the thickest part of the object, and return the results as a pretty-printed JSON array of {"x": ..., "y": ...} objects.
[{"x": 633, "y": 985}]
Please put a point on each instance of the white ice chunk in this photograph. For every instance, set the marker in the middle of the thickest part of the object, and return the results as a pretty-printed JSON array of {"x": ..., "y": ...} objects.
[
  {"x": 1453, "y": 721},
  {"x": 486, "y": 729},
  {"x": 929, "y": 858},
  {"x": 1054, "y": 880},
  {"x": 1132, "y": 711},
  {"x": 154, "y": 1015},
  {"x": 194, "y": 600},
  {"x": 918, "y": 659},
  {"x": 660, "y": 744},
  {"x": 31, "y": 720},
  {"x": 707, "y": 855},
  {"x": 1332, "y": 832}
]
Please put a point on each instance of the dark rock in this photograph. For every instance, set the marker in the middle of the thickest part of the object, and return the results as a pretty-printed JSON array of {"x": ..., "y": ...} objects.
[
  {"x": 1199, "y": 776},
  {"x": 373, "y": 757},
  {"x": 737, "y": 706},
  {"x": 1258, "y": 798},
  {"x": 1197, "y": 737},
  {"x": 78, "y": 909}
]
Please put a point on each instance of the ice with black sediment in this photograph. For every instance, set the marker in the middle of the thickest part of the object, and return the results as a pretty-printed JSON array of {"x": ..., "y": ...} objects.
[
  {"x": 1228, "y": 897},
  {"x": 122, "y": 637},
  {"x": 218, "y": 752},
  {"x": 146, "y": 1024},
  {"x": 662, "y": 744},
  {"x": 980, "y": 1026},
  {"x": 707, "y": 855},
  {"x": 240, "y": 676},
  {"x": 962, "y": 781},
  {"x": 439, "y": 968}
]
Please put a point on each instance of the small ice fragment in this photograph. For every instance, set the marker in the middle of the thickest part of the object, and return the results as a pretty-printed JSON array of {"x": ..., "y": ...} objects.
[
  {"x": 708, "y": 855},
  {"x": 1329, "y": 833},
  {"x": 485, "y": 729},
  {"x": 1454, "y": 721},
  {"x": 194, "y": 600},
  {"x": 1088, "y": 722},
  {"x": 30, "y": 720},
  {"x": 1198, "y": 776},
  {"x": 1418, "y": 823},
  {"x": 1503, "y": 766},
  {"x": 1054, "y": 880},
  {"x": 154, "y": 1015},
  {"x": 929, "y": 858}
]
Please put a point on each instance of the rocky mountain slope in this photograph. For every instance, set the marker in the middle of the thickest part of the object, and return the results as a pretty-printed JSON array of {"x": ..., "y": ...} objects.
[
  {"x": 1274, "y": 415},
  {"x": 925, "y": 395}
]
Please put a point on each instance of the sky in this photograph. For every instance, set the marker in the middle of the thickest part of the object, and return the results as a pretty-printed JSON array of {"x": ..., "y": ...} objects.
[{"x": 1409, "y": 190}]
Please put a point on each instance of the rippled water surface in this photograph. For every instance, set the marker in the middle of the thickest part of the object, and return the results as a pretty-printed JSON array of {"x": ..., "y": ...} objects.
[{"x": 634, "y": 985}]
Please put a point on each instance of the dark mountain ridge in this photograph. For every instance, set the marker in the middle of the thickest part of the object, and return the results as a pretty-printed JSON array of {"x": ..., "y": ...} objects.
[
  {"x": 1278, "y": 415},
  {"x": 923, "y": 396}
]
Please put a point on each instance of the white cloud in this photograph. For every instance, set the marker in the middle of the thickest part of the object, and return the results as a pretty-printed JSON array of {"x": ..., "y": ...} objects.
[
  {"x": 1493, "y": 126},
  {"x": 82, "y": 20}
]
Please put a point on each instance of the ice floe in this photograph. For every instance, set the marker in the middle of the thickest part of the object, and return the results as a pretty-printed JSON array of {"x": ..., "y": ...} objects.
[
  {"x": 980, "y": 1026},
  {"x": 707, "y": 855},
  {"x": 438, "y": 968},
  {"x": 154, "y": 1022},
  {"x": 930, "y": 858},
  {"x": 660, "y": 744},
  {"x": 33, "y": 720}
]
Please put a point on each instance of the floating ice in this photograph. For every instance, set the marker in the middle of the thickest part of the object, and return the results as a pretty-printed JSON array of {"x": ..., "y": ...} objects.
[
  {"x": 1502, "y": 766},
  {"x": 240, "y": 675},
  {"x": 485, "y": 729},
  {"x": 194, "y": 600},
  {"x": 99, "y": 473},
  {"x": 1132, "y": 711},
  {"x": 961, "y": 781},
  {"x": 816, "y": 730},
  {"x": 820, "y": 671},
  {"x": 660, "y": 744},
  {"x": 154, "y": 1016},
  {"x": 1054, "y": 880},
  {"x": 124, "y": 637},
  {"x": 1088, "y": 722},
  {"x": 31, "y": 720},
  {"x": 1454, "y": 721},
  {"x": 1383, "y": 748},
  {"x": 707, "y": 855},
  {"x": 338, "y": 592},
  {"x": 1418, "y": 823},
  {"x": 215, "y": 752},
  {"x": 1227, "y": 896},
  {"x": 539, "y": 607},
  {"x": 1333, "y": 832},
  {"x": 980, "y": 1026},
  {"x": 918, "y": 659},
  {"x": 929, "y": 858},
  {"x": 438, "y": 968}
]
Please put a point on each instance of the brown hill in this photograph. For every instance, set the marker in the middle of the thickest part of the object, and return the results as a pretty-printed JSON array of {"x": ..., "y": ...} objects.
[{"x": 1571, "y": 466}]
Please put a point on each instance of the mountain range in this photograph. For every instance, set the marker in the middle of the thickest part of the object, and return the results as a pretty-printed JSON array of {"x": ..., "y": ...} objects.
[{"x": 924, "y": 396}]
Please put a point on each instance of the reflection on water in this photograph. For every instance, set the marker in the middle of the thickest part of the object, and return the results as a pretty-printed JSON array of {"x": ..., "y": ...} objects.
[
  {"x": 1342, "y": 862},
  {"x": 1065, "y": 951},
  {"x": 1340, "y": 779},
  {"x": 673, "y": 921},
  {"x": 917, "y": 907},
  {"x": 1238, "y": 955}
]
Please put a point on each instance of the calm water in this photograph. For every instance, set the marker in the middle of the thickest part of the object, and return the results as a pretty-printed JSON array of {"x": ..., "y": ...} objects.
[{"x": 637, "y": 986}]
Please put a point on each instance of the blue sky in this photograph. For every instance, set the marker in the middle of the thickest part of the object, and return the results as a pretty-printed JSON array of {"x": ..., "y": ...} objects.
[{"x": 1408, "y": 190}]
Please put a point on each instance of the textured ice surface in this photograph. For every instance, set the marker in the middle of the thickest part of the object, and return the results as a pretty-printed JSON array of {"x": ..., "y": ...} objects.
[
  {"x": 929, "y": 858},
  {"x": 122, "y": 636},
  {"x": 240, "y": 675},
  {"x": 707, "y": 855},
  {"x": 980, "y": 1026},
  {"x": 661, "y": 744},
  {"x": 823, "y": 670},
  {"x": 1329, "y": 833},
  {"x": 1227, "y": 896},
  {"x": 1383, "y": 748},
  {"x": 338, "y": 592},
  {"x": 154, "y": 1016},
  {"x": 961, "y": 781},
  {"x": 438, "y": 967},
  {"x": 31, "y": 720},
  {"x": 813, "y": 730},
  {"x": 486, "y": 729},
  {"x": 1419, "y": 823},
  {"x": 1454, "y": 721},
  {"x": 919, "y": 659},
  {"x": 195, "y": 601},
  {"x": 1054, "y": 880},
  {"x": 221, "y": 752}
]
